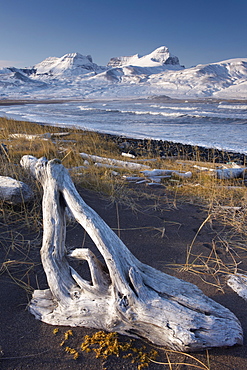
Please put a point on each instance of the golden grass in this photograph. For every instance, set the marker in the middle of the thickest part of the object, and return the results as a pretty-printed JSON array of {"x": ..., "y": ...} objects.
[{"x": 65, "y": 148}]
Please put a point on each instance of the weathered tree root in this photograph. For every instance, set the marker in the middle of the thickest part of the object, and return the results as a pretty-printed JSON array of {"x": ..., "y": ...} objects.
[{"x": 125, "y": 295}]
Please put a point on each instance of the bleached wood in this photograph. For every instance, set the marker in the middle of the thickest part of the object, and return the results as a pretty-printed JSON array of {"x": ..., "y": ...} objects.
[
  {"x": 105, "y": 165},
  {"x": 158, "y": 172},
  {"x": 128, "y": 155},
  {"x": 124, "y": 295},
  {"x": 202, "y": 168},
  {"x": 196, "y": 166},
  {"x": 230, "y": 173},
  {"x": 31, "y": 137},
  {"x": 238, "y": 283},
  {"x": 45, "y": 136},
  {"x": 115, "y": 162},
  {"x": 229, "y": 208}
]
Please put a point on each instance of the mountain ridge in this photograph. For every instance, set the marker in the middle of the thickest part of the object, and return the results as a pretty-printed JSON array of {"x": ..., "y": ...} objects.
[
  {"x": 160, "y": 56},
  {"x": 158, "y": 73}
]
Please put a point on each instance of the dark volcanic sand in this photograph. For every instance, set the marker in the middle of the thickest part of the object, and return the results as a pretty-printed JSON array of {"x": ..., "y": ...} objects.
[{"x": 30, "y": 344}]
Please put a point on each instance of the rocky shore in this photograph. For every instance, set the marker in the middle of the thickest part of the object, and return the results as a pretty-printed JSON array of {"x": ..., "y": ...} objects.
[{"x": 168, "y": 149}]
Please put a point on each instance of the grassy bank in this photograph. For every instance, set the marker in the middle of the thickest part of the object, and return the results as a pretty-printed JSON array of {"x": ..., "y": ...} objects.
[{"x": 38, "y": 140}]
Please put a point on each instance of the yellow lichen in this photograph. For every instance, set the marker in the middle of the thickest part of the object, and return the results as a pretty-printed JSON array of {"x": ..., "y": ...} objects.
[
  {"x": 55, "y": 331},
  {"x": 73, "y": 352},
  {"x": 108, "y": 344},
  {"x": 67, "y": 334}
]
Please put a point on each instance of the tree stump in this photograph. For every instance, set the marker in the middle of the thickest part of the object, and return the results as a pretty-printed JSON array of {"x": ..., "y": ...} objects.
[{"x": 124, "y": 295}]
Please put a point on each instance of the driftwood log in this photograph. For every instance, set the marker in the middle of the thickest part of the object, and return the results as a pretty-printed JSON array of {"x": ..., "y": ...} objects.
[
  {"x": 231, "y": 173},
  {"x": 158, "y": 172},
  {"x": 114, "y": 162},
  {"x": 124, "y": 295}
]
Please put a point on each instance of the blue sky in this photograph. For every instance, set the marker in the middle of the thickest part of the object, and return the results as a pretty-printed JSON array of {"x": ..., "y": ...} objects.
[{"x": 196, "y": 31}]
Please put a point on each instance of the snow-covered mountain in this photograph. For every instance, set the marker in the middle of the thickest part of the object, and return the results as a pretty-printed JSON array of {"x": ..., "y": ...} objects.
[
  {"x": 158, "y": 73},
  {"x": 70, "y": 64},
  {"x": 158, "y": 57},
  {"x": 226, "y": 79},
  {"x": 137, "y": 68}
]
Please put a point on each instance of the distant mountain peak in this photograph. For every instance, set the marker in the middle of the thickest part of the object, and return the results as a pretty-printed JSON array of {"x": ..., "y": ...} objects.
[
  {"x": 74, "y": 63},
  {"x": 159, "y": 57},
  {"x": 162, "y": 55},
  {"x": 76, "y": 58}
]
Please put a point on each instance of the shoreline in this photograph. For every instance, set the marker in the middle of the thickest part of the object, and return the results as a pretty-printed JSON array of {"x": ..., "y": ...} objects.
[
  {"x": 156, "y": 98},
  {"x": 147, "y": 146},
  {"x": 163, "y": 148},
  {"x": 169, "y": 149}
]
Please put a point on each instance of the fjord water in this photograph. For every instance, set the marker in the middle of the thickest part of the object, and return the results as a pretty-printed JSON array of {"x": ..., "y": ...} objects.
[{"x": 213, "y": 124}]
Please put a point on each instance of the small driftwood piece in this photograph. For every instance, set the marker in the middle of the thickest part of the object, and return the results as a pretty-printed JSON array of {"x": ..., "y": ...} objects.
[
  {"x": 128, "y": 155},
  {"x": 46, "y": 136},
  {"x": 158, "y": 172},
  {"x": 105, "y": 165},
  {"x": 238, "y": 283},
  {"x": 203, "y": 169},
  {"x": 124, "y": 295}
]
